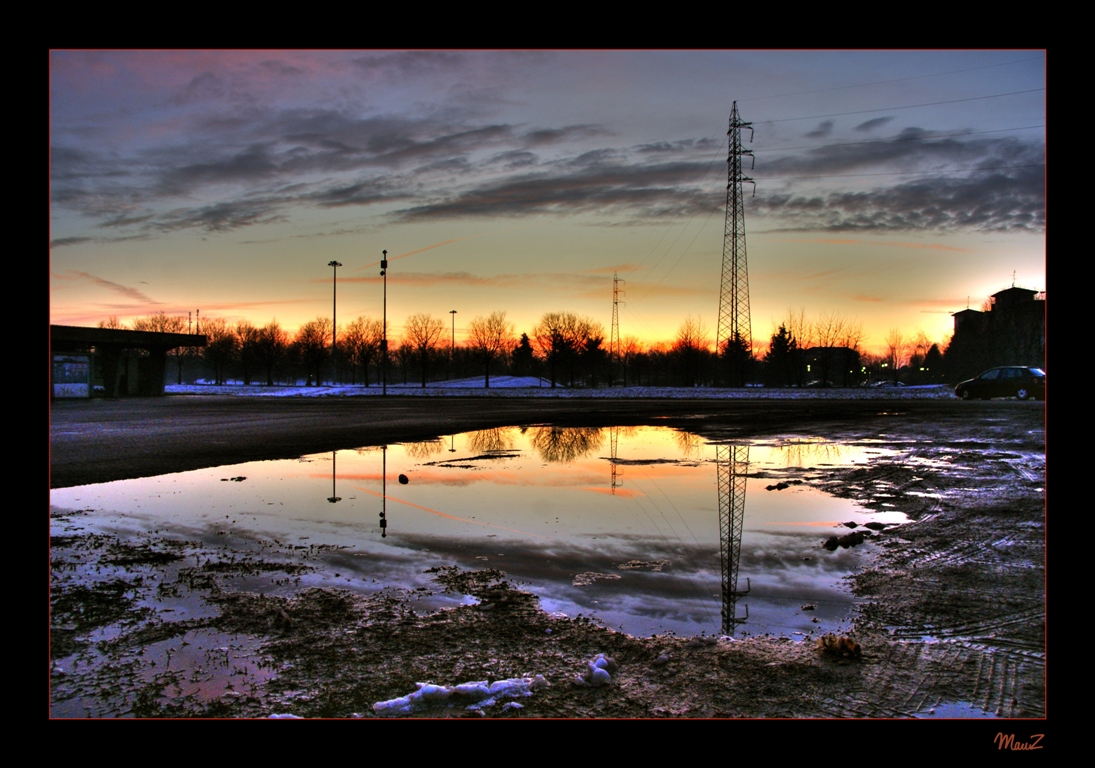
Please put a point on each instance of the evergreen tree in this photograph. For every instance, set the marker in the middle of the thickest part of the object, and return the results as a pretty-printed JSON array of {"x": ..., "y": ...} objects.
[{"x": 523, "y": 357}]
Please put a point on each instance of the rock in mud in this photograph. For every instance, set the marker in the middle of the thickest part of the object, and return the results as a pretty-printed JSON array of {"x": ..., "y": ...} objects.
[
  {"x": 848, "y": 540},
  {"x": 839, "y": 645}
]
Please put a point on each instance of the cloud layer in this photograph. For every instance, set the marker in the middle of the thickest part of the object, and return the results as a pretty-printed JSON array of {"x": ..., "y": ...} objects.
[{"x": 224, "y": 151}]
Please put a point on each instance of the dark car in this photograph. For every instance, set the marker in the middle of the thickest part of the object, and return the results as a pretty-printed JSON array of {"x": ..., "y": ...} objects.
[{"x": 1009, "y": 381}]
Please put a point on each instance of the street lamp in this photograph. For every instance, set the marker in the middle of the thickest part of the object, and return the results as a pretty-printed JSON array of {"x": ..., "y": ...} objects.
[
  {"x": 334, "y": 265},
  {"x": 384, "y": 341},
  {"x": 452, "y": 344}
]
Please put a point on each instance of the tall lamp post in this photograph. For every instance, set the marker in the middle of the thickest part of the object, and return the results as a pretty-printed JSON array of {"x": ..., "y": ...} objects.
[
  {"x": 384, "y": 341},
  {"x": 452, "y": 344},
  {"x": 334, "y": 265}
]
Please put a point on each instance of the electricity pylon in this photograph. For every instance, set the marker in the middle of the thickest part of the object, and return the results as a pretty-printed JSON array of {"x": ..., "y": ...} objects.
[
  {"x": 614, "y": 334},
  {"x": 734, "y": 336}
]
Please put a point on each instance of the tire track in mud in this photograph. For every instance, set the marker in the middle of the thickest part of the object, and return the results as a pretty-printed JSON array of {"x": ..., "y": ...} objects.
[
  {"x": 959, "y": 555},
  {"x": 986, "y": 630},
  {"x": 956, "y": 600},
  {"x": 912, "y": 679}
]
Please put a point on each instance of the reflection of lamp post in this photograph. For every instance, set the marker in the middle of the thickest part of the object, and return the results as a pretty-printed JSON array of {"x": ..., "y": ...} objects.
[
  {"x": 452, "y": 344},
  {"x": 384, "y": 492},
  {"x": 384, "y": 341},
  {"x": 333, "y": 497},
  {"x": 334, "y": 315}
]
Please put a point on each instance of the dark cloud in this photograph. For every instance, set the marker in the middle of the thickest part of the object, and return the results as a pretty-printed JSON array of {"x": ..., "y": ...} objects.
[
  {"x": 910, "y": 150},
  {"x": 824, "y": 128},
  {"x": 125, "y": 220},
  {"x": 203, "y": 87},
  {"x": 542, "y": 136},
  {"x": 685, "y": 145},
  {"x": 279, "y": 67},
  {"x": 220, "y": 217},
  {"x": 588, "y": 183},
  {"x": 870, "y": 125},
  {"x": 61, "y": 242},
  {"x": 513, "y": 159},
  {"x": 247, "y": 166},
  {"x": 359, "y": 193},
  {"x": 409, "y": 64},
  {"x": 992, "y": 201}
]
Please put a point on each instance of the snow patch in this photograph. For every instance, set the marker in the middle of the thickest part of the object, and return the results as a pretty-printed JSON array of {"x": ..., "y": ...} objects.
[
  {"x": 473, "y": 695},
  {"x": 530, "y": 386}
]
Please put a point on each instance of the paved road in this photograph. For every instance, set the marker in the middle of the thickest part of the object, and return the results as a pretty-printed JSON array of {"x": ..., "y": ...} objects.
[{"x": 93, "y": 441}]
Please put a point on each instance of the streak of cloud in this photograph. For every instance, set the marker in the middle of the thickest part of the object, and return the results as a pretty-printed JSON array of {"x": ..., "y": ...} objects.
[
  {"x": 879, "y": 243},
  {"x": 870, "y": 125},
  {"x": 124, "y": 290}
]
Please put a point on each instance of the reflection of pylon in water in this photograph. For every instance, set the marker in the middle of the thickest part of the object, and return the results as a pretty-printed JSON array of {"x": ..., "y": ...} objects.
[
  {"x": 613, "y": 435},
  {"x": 732, "y": 463}
]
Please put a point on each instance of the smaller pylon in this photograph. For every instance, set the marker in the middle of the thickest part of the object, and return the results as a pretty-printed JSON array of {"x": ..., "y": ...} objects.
[{"x": 614, "y": 334}]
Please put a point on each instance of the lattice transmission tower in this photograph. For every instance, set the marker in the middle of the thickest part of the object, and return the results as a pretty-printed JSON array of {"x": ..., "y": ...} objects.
[
  {"x": 614, "y": 334},
  {"x": 734, "y": 337}
]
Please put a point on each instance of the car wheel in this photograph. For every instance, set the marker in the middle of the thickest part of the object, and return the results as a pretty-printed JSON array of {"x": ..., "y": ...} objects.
[
  {"x": 1022, "y": 394},
  {"x": 965, "y": 394}
]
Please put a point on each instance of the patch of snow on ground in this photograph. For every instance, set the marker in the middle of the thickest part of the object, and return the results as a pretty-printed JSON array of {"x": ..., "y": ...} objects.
[
  {"x": 474, "y": 695},
  {"x": 530, "y": 386}
]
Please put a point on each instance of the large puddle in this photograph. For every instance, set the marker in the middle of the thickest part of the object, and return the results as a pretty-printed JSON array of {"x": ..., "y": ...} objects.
[{"x": 649, "y": 530}]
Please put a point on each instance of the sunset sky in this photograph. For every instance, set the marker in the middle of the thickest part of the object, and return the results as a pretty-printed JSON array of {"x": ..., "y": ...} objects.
[{"x": 891, "y": 187}]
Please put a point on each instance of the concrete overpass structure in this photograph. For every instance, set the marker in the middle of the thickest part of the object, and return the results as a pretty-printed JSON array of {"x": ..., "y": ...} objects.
[{"x": 128, "y": 362}]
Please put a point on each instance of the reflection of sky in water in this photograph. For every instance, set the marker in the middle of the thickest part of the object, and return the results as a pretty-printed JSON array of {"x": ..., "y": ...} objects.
[{"x": 542, "y": 505}]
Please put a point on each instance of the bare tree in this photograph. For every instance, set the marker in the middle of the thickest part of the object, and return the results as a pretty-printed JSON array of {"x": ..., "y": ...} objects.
[
  {"x": 160, "y": 323},
  {"x": 830, "y": 332},
  {"x": 800, "y": 337},
  {"x": 490, "y": 337},
  {"x": 561, "y": 337},
  {"x": 550, "y": 341},
  {"x": 422, "y": 333},
  {"x": 361, "y": 343},
  {"x": 164, "y": 323},
  {"x": 491, "y": 440},
  {"x": 630, "y": 349},
  {"x": 689, "y": 350},
  {"x": 850, "y": 340},
  {"x": 112, "y": 323},
  {"x": 312, "y": 342},
  {"x": 897, "y": 352},
  {"x": 247, "y": 336},
  {"x": 220, "y": 346},
  {"x": 273, "y": 342},
  {"x": 565, "y": 444}
]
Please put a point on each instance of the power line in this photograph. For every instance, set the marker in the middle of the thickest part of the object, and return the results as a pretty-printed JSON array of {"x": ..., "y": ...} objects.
[
  {"x": 897, "y": 80},
  {"x": 908, "y": 106}
]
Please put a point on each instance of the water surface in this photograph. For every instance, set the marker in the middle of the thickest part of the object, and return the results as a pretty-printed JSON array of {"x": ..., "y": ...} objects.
[{"x": 620, "y": 524}]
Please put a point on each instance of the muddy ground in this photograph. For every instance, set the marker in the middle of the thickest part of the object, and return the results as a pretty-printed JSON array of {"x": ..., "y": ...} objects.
[{"x": 951, "y": 621}]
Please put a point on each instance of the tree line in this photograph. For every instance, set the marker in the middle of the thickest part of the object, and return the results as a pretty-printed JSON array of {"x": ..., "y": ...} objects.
[{"x": 563, "y": 348}]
